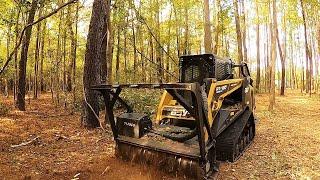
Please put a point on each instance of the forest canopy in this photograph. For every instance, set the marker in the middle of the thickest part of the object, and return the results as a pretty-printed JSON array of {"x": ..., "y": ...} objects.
[
  {"x": 218, "y": 80},
  {"x": 146, "y": 37}
]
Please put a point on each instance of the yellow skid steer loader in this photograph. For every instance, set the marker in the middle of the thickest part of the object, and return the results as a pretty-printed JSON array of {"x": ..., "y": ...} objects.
[{"x": 208, "y": 116}]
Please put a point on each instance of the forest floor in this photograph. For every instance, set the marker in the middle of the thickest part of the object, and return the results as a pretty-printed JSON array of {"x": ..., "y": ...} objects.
[{"x": 287, "y": 145}]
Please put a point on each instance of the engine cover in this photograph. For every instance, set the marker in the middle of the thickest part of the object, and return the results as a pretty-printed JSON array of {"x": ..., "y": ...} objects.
[{"x": 133, "y": 124}]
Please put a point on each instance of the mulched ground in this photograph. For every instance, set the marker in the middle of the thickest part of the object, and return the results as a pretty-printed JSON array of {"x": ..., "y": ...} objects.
[{"x": 287, "y": 145}]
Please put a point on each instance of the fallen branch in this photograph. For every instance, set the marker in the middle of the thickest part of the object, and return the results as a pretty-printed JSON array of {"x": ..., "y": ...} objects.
[
  {"x": 29, "y": 25},
  {"x": 60, "y": 137},
  {"x": 105, "y": 170},
  {"x": 26, "y": 143}
]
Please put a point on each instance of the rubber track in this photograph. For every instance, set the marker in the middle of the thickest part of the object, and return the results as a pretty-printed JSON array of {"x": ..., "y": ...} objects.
[{"x": 226, "y": 141}]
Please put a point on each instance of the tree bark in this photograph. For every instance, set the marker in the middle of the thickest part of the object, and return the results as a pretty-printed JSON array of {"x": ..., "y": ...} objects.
[
  {"x": 238, "y": 29},
  {"x": 159, "y": 58},
  {"x": 16, "y": 56},
  {"x": 207, "y": 28},
  {"x": 283, "y": 68},
  {"x": 20, "y": 103},
  {"x": 258, "y": 51},
  {"x": 273, "y": 57},
  {"x": 168, "y": 64},
  {"x": 58, "y": 59},
  {"x": 135, "y": 55},
  {"x": 268, "y": 31},
  {"x": 8, "y": 54},
  {"x": 151, "y": 58},
  {"x": 186, "y": 33},
  {"x": 178, "y": 30},
  {"x": 110, "y": 48},
  {"x": 118, "y": 56},
  {"x": 94, "y": 57},
  {"x": 72, "y": 45},
  {"x": 244, "y": 33},
  {"x": 36, "y": 59},
  {"x": 308, "y": 55},
  {"x": 74, "y": 58},
  {"x": 142, "y": 57},
  {"x": 125, "y": 52},
  {"x": 292, "y": 71},
  {"x": 6, "y": 92},
  {"x": 217, "y": 27},
  {"x": 41, "y": 75},
  {"x": 317, "y": 62}
]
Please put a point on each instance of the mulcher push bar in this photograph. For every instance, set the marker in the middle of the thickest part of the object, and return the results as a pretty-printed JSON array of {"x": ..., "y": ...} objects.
[{"x": 111, "y": 94}]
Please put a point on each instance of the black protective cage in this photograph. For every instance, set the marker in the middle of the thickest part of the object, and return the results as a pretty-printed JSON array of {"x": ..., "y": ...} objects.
[{"x": 111, "y": 94}]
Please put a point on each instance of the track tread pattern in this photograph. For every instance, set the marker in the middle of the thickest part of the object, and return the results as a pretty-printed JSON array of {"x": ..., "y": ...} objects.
[{"x": 227, "y": 141}]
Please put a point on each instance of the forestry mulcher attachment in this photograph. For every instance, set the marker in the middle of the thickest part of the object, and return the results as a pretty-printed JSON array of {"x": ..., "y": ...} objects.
[{"x": 205, "y": 118}]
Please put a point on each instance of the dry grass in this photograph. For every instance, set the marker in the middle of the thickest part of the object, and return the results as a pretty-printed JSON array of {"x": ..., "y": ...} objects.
[{"x": 287, "y": 145}]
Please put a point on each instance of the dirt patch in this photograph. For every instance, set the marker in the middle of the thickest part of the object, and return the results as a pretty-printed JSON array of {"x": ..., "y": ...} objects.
[{"x": 286, "y": 146}]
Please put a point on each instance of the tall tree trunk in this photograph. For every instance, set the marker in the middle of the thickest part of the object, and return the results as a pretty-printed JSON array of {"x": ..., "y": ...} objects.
[
  {"x": 217, "y": 27},
  {"x": 303, "y": 85},
  {"x": 308, "y": 55},
  {"x": 244, "y": 33},
  {"x": 125, "y": 53},
  {"x": 168, "y": 64},
  {"x": 110, "y": 47},
  {"x": 8, "y": 39},
  {"x": 273, "y": 56},
  {"x": 20, "y": 103},
  {"x": 6, "y": 92},
  {"x": 151, "y": 58},
  {"x": 142, "y": 58},
  {"x": 16, "y": 56},
  {"x": 135, "y": 56},
  {"x": 159, "y": 58},
  {"x": 267, "y": 52},
  {"x": 317, "y": 62},
  {"x": 207, "y": 28},
  {"x": 118, "y": 56},
  {"x": 8, "y": 54},
  {"x": 72, "y": 45},
  {"x": 36, "y": 59},
  {"x": 74, "y": 58},
  {"x": 41, "y": 75},
  {"x": 283, "y": 68},
  {"x": 94, "y": 57},
  {"x": 56, "y": 79},
  {"x": 178, "y": 31},
  {"x": 186, "y": 32},
  {"x": 258, "y": 50},
  {"x": 64, "y": 85},
  {"x": 238, "y": 29},
  {"x": 293, "y": 78}
]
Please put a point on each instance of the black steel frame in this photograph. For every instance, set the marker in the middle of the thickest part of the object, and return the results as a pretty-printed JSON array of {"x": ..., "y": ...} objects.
[{"x": 111, "y": 94}]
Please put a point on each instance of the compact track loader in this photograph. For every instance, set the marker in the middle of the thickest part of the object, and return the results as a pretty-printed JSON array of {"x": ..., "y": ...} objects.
[{"x": 207, "y": 117}]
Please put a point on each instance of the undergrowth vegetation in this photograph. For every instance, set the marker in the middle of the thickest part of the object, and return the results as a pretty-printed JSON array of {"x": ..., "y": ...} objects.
[
  {"x": 142, "y": 101},
  {"x": 3, "y": 109}
]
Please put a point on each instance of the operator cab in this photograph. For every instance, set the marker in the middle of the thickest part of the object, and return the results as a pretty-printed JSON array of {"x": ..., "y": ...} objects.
[
  {"x": 202, "y": 69},
  {"x": 197, "y": 68}
]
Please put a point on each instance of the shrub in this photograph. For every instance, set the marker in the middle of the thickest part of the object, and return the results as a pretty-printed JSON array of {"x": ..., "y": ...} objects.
[
  {"x": 4, "y": 109},
  {"x": 143, "y": 101}
]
